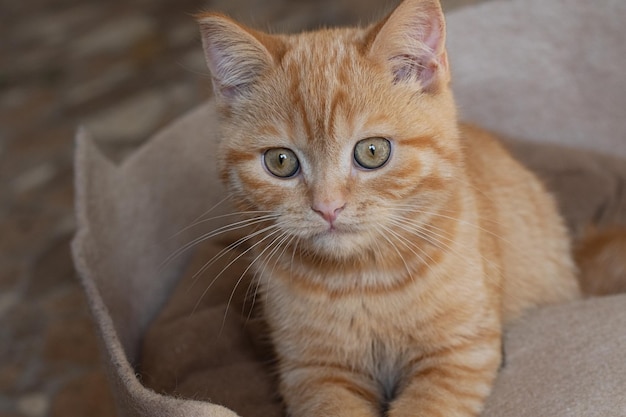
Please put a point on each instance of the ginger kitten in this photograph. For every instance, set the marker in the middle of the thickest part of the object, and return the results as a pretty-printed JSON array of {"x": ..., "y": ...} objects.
[{"x": 393, "y": 243}]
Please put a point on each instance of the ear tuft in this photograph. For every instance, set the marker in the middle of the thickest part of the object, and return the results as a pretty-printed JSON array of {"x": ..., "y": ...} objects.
[
  {"x": 411, "y": 42},
  {"x": 235, "y": 57}
]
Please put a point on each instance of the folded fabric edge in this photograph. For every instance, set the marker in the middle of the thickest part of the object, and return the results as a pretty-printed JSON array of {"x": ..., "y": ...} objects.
[{"x": 132, "y": 398}]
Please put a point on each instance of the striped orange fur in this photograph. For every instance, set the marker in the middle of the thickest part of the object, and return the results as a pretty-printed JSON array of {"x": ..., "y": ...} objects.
[{"x": 386, "y": 288}]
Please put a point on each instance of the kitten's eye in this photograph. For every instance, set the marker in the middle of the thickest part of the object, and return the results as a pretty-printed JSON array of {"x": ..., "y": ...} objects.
[
  {"x": 372, "y": 153},
  {"x": 281, "y": 162}
]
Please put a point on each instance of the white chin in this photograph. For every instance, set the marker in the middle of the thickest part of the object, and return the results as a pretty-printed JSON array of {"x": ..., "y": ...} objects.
[{"x": 336, "y": 243}]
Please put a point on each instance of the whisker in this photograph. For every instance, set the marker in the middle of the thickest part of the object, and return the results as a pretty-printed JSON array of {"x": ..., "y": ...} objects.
[
  {"x": 410, "y": 246},
  {"x": 230, "y": 264},
  {"x": 408, "y": 270},
  {"x": 220, "y": 230},
  {"x": 293, "y": 254},
  {"x": 216, "y": 205},
  {"x": 222, "y": 216},
  {"x": 261, "y": 273},
  {"x": 422, "y": 232},
  {"x": 229, "y": 248},
  {"x": 476, "y": 189},
  {"x": 417, "y": 210},
  {"x": 232, "y": 294}
]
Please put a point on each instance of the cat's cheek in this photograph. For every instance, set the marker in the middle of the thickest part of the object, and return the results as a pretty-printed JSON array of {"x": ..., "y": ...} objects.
[{"x": 264, "y": 191}]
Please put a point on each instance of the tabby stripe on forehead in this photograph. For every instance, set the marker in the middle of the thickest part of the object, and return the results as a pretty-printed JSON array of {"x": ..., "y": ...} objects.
[
  {"x": 297, "y": 99},
  {"x": 331, "y": 98},
  {"x": 269, "y": 130},
  {"x": 338, "y": 101},
  {"x": 300, "y": 105}
]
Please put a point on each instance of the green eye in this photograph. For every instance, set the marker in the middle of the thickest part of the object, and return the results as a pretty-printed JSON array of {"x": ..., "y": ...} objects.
[
  {"x": 281, "y": 162},
  {"x": 372, "y": 153}
]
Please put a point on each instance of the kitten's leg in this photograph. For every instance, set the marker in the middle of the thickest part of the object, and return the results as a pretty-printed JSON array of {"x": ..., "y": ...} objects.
[
  {"x": 329, "y": 392},
  {"x": 453, "y": 382}
]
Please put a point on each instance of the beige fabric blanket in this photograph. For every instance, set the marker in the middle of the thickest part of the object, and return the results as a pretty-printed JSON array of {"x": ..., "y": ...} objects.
[{"x": 532, "y": 69}]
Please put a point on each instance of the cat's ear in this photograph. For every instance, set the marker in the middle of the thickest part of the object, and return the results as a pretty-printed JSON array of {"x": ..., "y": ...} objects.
[
  {"x": 235, "y": 55},
  {"x": 411, "y": 43}
]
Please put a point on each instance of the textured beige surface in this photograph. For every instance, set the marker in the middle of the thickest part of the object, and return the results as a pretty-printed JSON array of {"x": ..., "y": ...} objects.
[
  {"x": 543, "y": 70},
  {"x": 566, "y": 360},
  {"x": 563, "y": 361}
]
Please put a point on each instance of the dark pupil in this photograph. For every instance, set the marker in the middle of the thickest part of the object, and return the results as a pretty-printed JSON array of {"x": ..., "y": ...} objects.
[
  {"x": 372, "y": 149},
  {"x": 281, "y": 158}
]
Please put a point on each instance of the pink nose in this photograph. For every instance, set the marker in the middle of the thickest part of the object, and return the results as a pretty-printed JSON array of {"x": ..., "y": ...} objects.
[{"x": 329, "y": 210}]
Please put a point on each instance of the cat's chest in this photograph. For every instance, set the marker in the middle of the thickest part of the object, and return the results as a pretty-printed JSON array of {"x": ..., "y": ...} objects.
[
  {"x": 365, "y": 327},
  {"x": 374, "y": 334}
]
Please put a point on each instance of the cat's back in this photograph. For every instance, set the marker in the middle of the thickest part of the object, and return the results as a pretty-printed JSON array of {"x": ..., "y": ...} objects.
[{"x": 521, "y": 229}]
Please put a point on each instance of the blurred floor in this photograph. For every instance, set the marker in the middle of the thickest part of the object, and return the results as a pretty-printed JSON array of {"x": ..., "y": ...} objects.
[{"x": 124, "y": 69}]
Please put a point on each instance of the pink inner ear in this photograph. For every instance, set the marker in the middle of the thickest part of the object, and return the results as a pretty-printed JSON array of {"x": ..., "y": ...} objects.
[
  {"x": 234, "y": 57},
  {"x": 413, "y": 68},
  {"x": 221, "y": 67},
  {"x": 412, "y": 41},
  {"x": 423, "y": 64},
  {"x": 432, "y": 34},
  {"x": 230, "y": 66}
]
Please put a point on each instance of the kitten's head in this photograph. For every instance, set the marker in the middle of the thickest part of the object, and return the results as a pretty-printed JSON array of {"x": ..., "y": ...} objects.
[{"x": 343, "y": 133}]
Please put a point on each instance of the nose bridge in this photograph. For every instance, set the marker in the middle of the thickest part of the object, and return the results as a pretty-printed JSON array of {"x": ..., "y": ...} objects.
[
  {"x": 328, "y": 178},
  {"x": 328, "y": 182}
]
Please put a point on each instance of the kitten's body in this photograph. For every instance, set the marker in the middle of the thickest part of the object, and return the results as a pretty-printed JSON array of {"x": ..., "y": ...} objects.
[
  {"x": 438, "y": 330},
  {"x": 385, "y": 288}
]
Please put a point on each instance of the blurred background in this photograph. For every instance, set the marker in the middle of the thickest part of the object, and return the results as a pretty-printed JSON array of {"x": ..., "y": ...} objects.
[{"x": 123, "y": 69}]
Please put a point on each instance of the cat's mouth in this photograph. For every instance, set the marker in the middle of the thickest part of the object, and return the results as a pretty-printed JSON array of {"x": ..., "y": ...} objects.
[
  {"x": 339, "y": 236},
  {"x": 336, "y": 234},
  {"x": 337, "y": 230}
]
